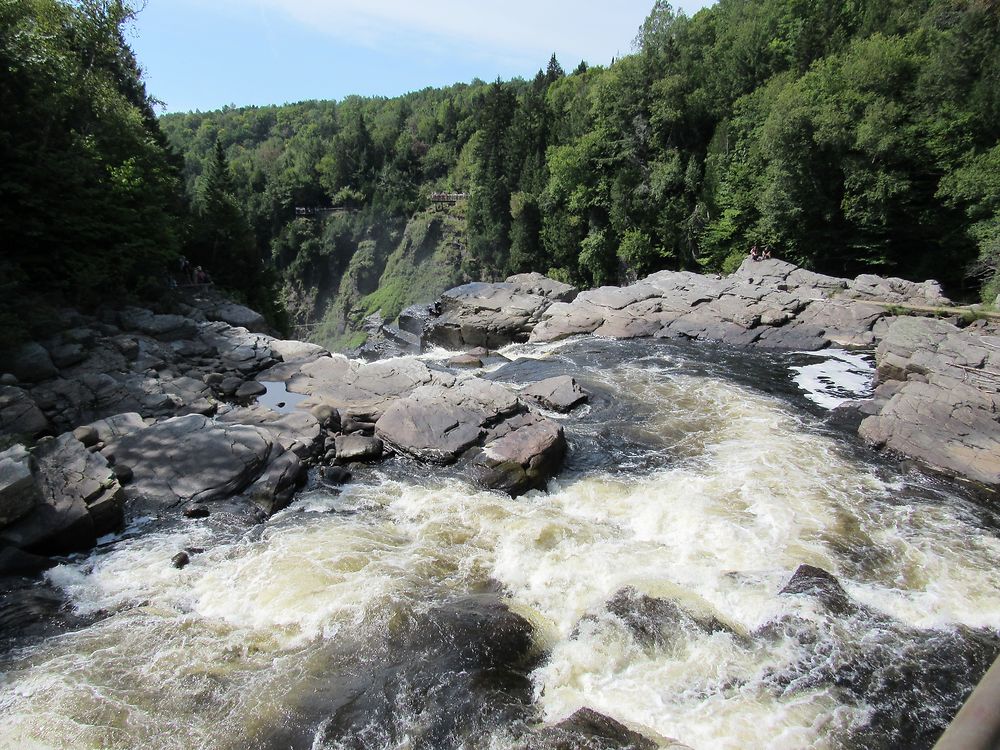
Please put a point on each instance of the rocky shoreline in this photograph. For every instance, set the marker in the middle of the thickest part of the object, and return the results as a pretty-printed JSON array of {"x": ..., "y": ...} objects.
[{"x": 201, "y": 411}]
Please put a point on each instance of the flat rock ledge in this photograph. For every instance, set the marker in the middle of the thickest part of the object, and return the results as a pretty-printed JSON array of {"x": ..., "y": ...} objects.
[
  {"x": 938, "y": 383},
  {"x": 938, "y": 398}
]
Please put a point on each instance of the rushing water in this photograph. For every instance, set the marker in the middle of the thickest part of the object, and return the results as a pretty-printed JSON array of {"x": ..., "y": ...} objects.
[{"x": 364, "y": 618}]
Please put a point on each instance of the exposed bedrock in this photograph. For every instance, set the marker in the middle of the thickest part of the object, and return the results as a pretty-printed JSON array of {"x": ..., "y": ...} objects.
[{"x": 937, "y": 399}]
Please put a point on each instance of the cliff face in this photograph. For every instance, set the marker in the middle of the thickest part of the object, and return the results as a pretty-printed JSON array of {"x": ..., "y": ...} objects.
[{"x": 388, "y": 269}]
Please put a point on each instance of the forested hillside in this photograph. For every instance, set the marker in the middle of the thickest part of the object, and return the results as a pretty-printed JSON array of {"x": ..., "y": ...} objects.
[
  {"x": 848, "y": 136},
  {"x": 852, "y": 135},
  {"x": 93, "y": 209}
]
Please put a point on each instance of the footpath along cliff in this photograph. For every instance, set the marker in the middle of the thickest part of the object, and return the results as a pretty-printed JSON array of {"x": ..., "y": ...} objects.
[{"x": 199, "y": 412}]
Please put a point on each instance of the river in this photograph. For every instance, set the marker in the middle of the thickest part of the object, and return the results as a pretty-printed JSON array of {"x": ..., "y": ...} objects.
[{"x": 392, "y": 613}]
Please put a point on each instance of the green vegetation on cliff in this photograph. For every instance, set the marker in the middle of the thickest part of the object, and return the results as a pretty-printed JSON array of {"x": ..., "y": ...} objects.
[{"x": 849, "y": 136}]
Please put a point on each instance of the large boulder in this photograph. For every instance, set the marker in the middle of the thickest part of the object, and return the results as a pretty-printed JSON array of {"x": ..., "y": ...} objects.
[
  {"x": 32, "y": 363},
  {"x": 19, "y": 493},
  {"x": 79, "y": 499},
  {"x": 587, "y": 728},
  {"x": 193, "y": 458},
  {"x": 560, "y": 393},
  {"x": 162, "y": 327},
  {"x": 438, "y": 423},
  {"x": 481, "y": 314},
  {"x": 358, "y": 388},
  {"x": 520, "y": 454},
  {"x": 19, "y": 414}
]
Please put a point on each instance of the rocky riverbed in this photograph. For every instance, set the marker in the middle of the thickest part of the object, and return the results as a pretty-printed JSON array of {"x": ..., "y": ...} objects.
[{"x": 148, "y": 421}]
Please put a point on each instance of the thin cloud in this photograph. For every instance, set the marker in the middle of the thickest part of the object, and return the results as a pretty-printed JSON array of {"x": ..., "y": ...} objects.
[{"x": 514, "y": 31}]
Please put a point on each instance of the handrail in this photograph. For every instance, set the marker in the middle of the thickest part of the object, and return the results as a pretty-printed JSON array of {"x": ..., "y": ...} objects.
[{"x": 977, "y": 725}]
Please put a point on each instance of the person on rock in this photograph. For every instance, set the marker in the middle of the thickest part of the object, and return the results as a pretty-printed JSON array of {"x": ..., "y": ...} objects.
[{"x": 754, "y": 252}]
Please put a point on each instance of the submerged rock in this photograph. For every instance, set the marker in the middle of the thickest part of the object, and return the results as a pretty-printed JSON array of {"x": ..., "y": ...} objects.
[
  {"x": 816, "y": 582},
  {"x": 588, "y": 729},
  {"x": 450, "y": 676}
]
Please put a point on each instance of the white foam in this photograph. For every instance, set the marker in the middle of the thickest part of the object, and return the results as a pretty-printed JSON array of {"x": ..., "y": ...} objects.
[{"x": 839, "y": 377}]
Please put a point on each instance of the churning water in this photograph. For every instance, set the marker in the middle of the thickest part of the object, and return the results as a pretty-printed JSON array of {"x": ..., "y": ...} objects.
[{"x": 650, "y": 575}]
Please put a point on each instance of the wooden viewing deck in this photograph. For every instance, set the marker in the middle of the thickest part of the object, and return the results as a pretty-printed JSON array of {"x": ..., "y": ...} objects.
[{"x": 449, "y": 198}]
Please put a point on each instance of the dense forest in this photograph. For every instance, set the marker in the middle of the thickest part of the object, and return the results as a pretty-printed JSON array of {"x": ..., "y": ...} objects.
[{"x": 849, "y": 136}]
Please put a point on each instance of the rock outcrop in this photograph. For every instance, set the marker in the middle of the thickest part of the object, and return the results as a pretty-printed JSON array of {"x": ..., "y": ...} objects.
[
  {"x": 58, "y": 499},
  {"x": 938, "y": 398}
]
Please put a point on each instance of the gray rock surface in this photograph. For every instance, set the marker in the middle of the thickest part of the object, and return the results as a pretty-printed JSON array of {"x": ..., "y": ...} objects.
[
  {"x": 19, "y": 414},
  {"x": 18, "y": 492},
  {"x": 520, "y": 454},
  {"x": 560, "y": 393},
  {"x": 939, "y": 398},
  {"x": 79, "y": 499},
  {"x": 358, "y": 448},
  {"x": 32, "y": 363},
  {"x": 489, "y": 315},
  {"x": 193, "y": 458},
  {"x": 439, "y": 422}
]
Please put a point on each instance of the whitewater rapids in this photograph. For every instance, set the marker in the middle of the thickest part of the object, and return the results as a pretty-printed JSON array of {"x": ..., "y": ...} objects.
[{"x": 706, "y": 483}]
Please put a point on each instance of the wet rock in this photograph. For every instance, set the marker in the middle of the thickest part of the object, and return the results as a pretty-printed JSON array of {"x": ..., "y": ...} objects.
[
  {"x": 587, "y": 728},
  {"x": 655, "y": 622},
  {"x": 87, "y": 435},
  {"x": 358, "y": 448},
  {"x": 277, "y": 484},
  {"x": 80, "y": 499},
  {"x": 195, "y": 510},
  {"x": 19, "y": 414},
  {"x": 32, "y": 363},
  {"x": 250, "y": 389},
  {"x": 560, "y": 393},
  {"x": 465, "y": 360},
  {"x": 8, "y": 378},
  {"x": 520, "y": 454},
  {"x": 17, "y": 562},
  {"x": 816, "y": 582},
  {"x": 180, "y": 560},
  {"x": 192, "y": 458},
  {"x": 444, "y": 679},
  {"x": 336, "y": 474},
  {"x": 414, "y": 318},
  {"x": 438, "y": 423},
  {"x": 18, "y": 492}
]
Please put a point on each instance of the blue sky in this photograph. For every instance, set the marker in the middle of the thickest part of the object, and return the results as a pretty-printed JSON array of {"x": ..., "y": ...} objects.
[{"x": 203, "y": 54}]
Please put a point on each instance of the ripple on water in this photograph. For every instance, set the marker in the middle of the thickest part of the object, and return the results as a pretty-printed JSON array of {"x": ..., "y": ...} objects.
[{"x": 725, "y": 491}]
